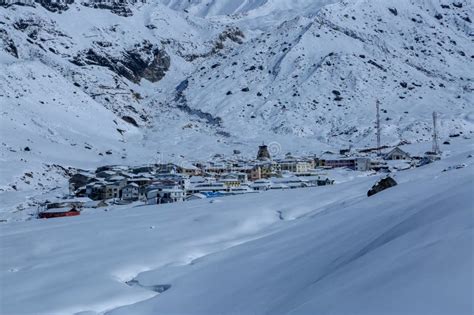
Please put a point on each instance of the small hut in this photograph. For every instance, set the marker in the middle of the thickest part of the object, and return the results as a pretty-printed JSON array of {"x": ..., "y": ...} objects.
[{"x": 397, "y": 154}]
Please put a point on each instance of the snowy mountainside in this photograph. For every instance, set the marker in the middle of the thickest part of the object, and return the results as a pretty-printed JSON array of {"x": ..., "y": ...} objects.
[
  {"x": 247, "y": 8},
  {"x": 80, "y": 88},
  {"x": 319, "y": 77}
]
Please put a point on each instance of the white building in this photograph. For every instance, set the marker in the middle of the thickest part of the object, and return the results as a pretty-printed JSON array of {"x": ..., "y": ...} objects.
[
  {"x": 165, "y": 195},
  {"x": 261, "y": 185},
  {"x": 130, "y": 192},
  {"x": 296, "y": 166},
  {"x": 397, "y": 154},
  {"x": 208, "y": 187}
]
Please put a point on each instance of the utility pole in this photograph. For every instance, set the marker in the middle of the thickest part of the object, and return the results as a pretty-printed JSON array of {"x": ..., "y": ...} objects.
[
  {"x": 435, "y": 148},
  {"x": 379, "y": 149}
]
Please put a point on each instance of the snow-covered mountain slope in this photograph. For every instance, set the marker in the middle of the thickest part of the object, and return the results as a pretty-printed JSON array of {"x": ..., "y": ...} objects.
[
  {"x": 320, "y": 77},
  {"x": 47, "y": 122},
  {"x": 226, "y": 75},
  {"x": 327, "y": 250},
  {"x": 80, "y": 88},
  {"x": 246, "y": 9}
]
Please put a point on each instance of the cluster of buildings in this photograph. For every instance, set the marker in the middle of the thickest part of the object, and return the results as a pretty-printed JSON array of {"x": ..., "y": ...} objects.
[{"x": 167, "y": 183}]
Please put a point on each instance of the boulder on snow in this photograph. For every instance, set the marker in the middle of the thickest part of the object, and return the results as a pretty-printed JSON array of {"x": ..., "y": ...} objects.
[
  {"x": 381, "y": 185},
  {"x": 130, "y": 120}
]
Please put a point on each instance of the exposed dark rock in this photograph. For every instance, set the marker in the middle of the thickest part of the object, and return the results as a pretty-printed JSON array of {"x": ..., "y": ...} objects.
[
  {"x": 7, "y": 43},
  {"x": 383, "y": 184},
  {"x": 27, "y": 149},
  {"x": 130, "y": 120},
  {"x": 234, "y": 34},
  {"x": 22, "y": 24},
  {"x": 103, "y": 43},
  {"x": 377, "y": 65},
  {"x": 117, "y": 8},
  {"x": 394, "y": 11},
  {"x": 223, "y": 133},
  {"x": 245, "y": 89},
  {"x": 145, "y": 61},
  {"x": 182, "y": 86},
  {"x": 54, "y": 6}
]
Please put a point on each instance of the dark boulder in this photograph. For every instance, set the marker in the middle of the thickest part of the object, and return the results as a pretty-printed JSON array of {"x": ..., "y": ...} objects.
[
  {"x": 130, "y": 120},
  {"x": 381, "y": 185}
]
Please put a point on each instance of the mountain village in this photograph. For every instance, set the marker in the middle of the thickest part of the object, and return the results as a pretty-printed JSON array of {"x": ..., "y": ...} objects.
[{"x": 163, "y": 183}]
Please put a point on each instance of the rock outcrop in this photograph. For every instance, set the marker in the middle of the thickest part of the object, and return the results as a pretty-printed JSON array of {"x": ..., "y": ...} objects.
[
  {"x": 381, "y": 185},
  {"x": 7, "y": 43},
  {"x": 145, "y": 61}
]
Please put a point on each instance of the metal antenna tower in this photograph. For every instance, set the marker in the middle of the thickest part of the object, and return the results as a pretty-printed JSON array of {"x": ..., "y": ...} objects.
[
  {"x": 435, "y": 148},
  {"x": 379, "y": 149}
]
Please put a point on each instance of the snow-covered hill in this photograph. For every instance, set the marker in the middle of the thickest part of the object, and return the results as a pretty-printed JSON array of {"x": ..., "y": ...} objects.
[
  {"x": 326, "y": 250},
  {"x": 86, "y": 86},
  {"x": 319, "y": 77},
  {"x": 248, "y": 9},
  {"x": 80, "y": 88}
]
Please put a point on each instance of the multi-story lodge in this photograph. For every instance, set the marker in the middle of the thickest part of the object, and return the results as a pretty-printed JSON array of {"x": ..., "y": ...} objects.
[{"x": 355, "y": 163}]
